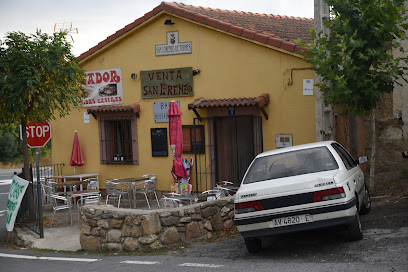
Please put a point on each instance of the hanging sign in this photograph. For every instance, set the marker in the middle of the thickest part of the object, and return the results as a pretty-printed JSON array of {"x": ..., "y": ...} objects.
[
  {"x": 167, "y": 83},
  {"x": 173, "y": 46},
  {"x": 17, "y": 190},
  {"x": 103, "y": 87}
]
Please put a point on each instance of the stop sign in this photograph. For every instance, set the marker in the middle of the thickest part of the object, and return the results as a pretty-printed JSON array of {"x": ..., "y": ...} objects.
[{"x": 38, "y": 134}]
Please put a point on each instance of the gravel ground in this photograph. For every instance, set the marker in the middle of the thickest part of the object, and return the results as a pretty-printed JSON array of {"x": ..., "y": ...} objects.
[{"x": 385, "y": 241}]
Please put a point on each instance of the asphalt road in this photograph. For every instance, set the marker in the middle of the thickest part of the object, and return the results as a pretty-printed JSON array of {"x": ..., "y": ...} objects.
[{"x": 384, "y": 248}]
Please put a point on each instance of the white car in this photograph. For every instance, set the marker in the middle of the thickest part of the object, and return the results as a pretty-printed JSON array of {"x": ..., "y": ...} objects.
[{"x": 300, "y": 188}]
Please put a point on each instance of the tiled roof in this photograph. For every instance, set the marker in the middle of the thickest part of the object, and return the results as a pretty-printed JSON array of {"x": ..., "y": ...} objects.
[
  {"x": 275, "y": 30},
  {"x": 259, "y": 101},
  {"x": 135, "y": 108}
]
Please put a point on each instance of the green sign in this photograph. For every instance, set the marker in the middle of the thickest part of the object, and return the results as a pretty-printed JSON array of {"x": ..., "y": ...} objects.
[
  {"x": 17, "y": 190},
  {"x": 167, "y": 83}
]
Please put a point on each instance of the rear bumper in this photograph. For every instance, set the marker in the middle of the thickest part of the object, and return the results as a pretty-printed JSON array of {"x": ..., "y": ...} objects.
[
  {"x": 322, "y": 218},
  {"x": 300, "y": 227}
]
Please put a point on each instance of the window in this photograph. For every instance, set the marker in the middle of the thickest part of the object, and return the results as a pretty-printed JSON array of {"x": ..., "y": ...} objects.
[
  {"x": 292, "y": 163},
  {"x": 347, "y": 159},
  {"x": 117, "y": 137},
  {"x": 193, "y": 142}
]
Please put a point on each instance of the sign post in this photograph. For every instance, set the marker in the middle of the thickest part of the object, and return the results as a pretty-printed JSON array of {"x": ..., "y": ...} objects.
[{"x": 38, "y": 135}]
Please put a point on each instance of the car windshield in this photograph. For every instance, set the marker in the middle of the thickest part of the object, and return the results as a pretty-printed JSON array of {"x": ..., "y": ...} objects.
[{"x": 291, "y": 163}]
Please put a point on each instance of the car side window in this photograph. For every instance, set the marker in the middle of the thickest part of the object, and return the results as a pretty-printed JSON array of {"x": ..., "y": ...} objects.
[{"x": 347, "y": 159}]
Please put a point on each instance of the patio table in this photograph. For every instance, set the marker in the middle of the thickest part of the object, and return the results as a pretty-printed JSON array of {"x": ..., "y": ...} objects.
[
  {"x": 130, "y": 183},
  {"x": 81, "y": 177},
  {"x": 83, "y": 193}
]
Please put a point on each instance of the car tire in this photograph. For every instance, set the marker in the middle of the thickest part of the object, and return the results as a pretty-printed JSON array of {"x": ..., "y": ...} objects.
[
  {"x": 354, "y": 229},
  {"x": 253, "y": 245},
  {"x": 366, "y": 207}
]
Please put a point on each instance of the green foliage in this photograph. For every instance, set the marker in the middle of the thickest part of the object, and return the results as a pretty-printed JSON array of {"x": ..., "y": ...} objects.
[
  {"x": 39, "y": 77},
  {"x": 9, "y": 144},
  {"x": 362, "y": 57}
]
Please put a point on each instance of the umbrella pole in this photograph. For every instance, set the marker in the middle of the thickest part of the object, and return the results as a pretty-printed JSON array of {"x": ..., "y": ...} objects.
[{"x": 74, "y": 170}]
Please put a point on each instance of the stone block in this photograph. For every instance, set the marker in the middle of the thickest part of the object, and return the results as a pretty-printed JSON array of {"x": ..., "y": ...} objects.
[
  {"x": 86, "y": 229},
  {"x": 135, "y": 231},
  {"x": 103, "y": 224},
  {"x": 114, "y": 235},
  {"x": 151, "y": 224},
  {"x": 117, "y": 223},
  {"x": 228, "y": 224},
  {"x": 209, "y": 211},
  {"x": 193, "y": 230},
  {"x": 208, "y": 225},
  {"x": 169, "y": 221},
  {"x": 196, "y": 217},
  {"x": 148, "y": 239},
  {"x": 170, "y": 236},
  {"x": 130, "y": 244},
  {"x": 89, "y": 242},
  {"x": 185, "y": 220},
  {"x": 217, "y": 222}
]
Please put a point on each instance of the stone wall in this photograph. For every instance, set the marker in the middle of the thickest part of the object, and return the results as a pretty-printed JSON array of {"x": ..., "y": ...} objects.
[{"x": 118, "y": 229}]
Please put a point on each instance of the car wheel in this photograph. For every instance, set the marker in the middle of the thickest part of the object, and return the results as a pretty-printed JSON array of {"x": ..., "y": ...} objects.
[
  {"x": 253, "y": 245},
  {"x": 354, "y": 229},
  {"x": 366, "y": 207}
]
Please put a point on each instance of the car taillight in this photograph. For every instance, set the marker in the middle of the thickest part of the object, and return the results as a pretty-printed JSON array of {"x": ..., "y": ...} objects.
[
  {"x": 329, "y": 194},
  {"x": 250, "y": 206}
]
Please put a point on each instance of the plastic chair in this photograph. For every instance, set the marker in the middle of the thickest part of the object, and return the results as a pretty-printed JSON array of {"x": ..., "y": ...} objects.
[
  {"x": 169, "y": 203},
  {"x": 112, "y": 191},
  {"x": 92, "y": 184},
  {"x": 146, "y": 187},
  {"x": 89, "y": 200},
  {"x": 48, "y": 190}
]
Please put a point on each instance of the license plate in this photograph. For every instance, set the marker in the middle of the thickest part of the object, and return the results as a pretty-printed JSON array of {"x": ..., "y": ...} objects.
[{"x": 291, "y": 220}]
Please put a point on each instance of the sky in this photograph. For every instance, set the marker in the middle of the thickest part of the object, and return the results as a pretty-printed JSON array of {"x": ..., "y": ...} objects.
[{"x": 98, "y": 19}]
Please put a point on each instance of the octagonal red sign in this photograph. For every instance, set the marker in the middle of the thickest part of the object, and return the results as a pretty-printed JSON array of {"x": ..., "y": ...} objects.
[{"x": 38, "y": 134}]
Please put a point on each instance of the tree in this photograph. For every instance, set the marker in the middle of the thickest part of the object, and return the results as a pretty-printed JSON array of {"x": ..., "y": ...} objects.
[
  {"x": 361, "y": 58},
  {"x": 39, "y": 78},
  {"x": 9, "y": 143}
]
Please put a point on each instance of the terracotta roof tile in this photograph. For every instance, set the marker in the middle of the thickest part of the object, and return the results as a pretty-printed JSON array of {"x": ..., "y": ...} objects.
[
  {"x": 135, "y": 108},
  {"x": 259, "y": 101},
  {"x": 284, "y": 30}
]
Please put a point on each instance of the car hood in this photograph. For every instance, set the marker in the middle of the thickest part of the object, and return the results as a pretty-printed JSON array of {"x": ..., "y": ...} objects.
[{"x": 286, "y": 186}]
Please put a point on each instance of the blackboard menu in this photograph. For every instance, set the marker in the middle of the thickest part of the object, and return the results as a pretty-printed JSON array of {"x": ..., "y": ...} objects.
[{"x": 159, "y": 142}]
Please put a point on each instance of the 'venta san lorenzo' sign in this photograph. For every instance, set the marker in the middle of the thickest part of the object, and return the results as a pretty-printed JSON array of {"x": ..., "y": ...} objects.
[
  {"x": 167, "y": 82},
  {"x": 103, "y": 87}
]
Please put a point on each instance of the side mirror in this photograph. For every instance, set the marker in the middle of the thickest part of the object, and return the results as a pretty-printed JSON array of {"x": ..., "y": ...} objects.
[{"x": 362, "y": 159}]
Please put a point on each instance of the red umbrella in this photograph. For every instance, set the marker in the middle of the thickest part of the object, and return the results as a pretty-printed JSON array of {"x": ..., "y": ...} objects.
[
  {"x": 176, "y": 140},
  {"x": 76, "y": 154}
]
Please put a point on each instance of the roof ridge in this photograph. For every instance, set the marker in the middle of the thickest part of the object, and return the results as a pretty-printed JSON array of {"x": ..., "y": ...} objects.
[{"x": 247, "y": 32}]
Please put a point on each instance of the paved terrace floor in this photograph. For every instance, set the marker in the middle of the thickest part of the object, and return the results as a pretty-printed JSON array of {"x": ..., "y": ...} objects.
[{"x": 62, "y": 236}]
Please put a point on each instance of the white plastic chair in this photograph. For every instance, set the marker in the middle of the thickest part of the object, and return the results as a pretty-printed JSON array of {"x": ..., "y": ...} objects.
[
  {"x": 92, "y": 184},
  {"x": 169, "y": 203},
  {"x": 146, "y": 187},
  {"x": 112, "y": 191},
  {"x": 89, "y": 200},
  {"x": 53, "y": 198}
]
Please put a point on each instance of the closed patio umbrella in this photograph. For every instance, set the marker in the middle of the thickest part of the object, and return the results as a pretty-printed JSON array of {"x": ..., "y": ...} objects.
[
  {"x": 76, "y": 154},
  {"x": 176, "y": 141}
]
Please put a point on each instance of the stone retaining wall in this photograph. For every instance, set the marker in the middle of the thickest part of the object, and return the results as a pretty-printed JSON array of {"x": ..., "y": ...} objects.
[{"x": 118, "y": 229}]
